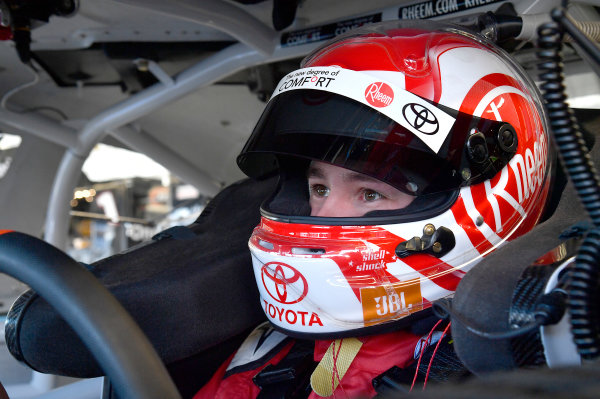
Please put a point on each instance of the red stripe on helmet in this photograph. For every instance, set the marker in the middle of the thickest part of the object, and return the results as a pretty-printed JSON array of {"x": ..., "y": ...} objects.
[
  {"x": 483, "y": 86},
  {"x": 462, "y": 217}
]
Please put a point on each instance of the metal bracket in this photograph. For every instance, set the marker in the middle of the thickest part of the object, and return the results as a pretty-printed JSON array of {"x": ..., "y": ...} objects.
[{"x": 437, "y": 242}]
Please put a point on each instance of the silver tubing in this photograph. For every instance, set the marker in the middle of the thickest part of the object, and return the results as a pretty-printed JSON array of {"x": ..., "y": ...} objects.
[
  {"x": 207, "y": 71},
  {"x": 148, "y": 145},
  {"x": 57, "y": 217},
  {"x": 40, "y": 126},
  {"x": 227, "y": 61}
]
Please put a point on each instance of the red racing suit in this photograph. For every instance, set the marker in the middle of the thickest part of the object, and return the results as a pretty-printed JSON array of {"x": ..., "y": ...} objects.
[{"x": 378, "y": 353}]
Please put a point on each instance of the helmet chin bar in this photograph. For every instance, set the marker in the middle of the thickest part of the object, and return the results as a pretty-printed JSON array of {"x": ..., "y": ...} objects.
[{"x": 437, "y": 242}]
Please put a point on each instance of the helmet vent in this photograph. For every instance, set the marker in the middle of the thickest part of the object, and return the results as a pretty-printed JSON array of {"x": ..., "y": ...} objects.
[
  {"x": 266, "y": 244},
  {"x": 308, "y": 251}
]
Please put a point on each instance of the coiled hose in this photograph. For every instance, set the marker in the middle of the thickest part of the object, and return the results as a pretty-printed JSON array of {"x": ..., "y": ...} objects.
[
  {"x": 583, "y": 297},
  {"x": 583, "y": 278}
]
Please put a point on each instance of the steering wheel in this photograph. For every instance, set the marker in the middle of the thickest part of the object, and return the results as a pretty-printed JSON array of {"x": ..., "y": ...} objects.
[{"x": 115, "y": 340}]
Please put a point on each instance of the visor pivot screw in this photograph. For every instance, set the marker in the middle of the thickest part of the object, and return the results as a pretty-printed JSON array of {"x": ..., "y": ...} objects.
[
  {"x": 429, "y": 229},
  {"x": 477, "y": 149},
  {"x": 437, "y": 247},
  {"x": 507, "y": 138},
  {"x": 465, "y": 174}
]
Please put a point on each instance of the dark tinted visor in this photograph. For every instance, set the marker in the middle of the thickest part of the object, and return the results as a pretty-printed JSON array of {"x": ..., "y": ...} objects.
[{"x": 327, "y": 127}]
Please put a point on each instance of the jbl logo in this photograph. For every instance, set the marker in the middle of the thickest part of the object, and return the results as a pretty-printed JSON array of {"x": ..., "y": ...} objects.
[{"x": 391, "y": 302}]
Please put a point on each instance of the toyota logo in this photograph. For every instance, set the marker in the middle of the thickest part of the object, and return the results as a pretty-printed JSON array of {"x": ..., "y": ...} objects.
[
  {"x": 277, "y": 277},
  {"x": 421, "y": 118}
]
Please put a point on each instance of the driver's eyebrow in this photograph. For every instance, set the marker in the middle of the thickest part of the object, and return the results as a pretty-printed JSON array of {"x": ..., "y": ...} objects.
[{"x": 314, "y": 171}]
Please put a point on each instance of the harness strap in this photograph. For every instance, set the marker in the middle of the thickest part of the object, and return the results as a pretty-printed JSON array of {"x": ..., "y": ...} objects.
[
  {"x": 290, "y": 378},
  {"x": 332, "y": 368}
]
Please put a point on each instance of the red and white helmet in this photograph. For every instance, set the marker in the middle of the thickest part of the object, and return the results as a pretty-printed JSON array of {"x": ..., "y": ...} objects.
[{"x": 430, "y": 109}]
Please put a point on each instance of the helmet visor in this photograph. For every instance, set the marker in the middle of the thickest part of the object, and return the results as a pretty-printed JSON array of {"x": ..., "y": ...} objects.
[{"x": 329, "y": 127}]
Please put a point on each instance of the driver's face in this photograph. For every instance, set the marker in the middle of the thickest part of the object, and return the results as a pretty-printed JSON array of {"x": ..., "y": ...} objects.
[{"x": 338, "y": 192}]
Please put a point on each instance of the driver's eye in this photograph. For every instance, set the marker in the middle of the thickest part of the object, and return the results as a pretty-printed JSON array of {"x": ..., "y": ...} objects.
[
  {"x": 371, "y": 195},
  {"x": 319, "y": 190}
]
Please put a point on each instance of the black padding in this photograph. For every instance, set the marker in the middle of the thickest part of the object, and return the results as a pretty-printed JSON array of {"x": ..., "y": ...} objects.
[
  {"x": 291, "y": 197},
  {"x": 117, "y": 342},
  {"x": 188, "y": 295},
  {"x": 484, "y": 295}
]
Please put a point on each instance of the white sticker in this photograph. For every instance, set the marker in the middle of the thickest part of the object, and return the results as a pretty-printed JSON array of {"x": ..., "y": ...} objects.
[{"x": 426, "y": 121}]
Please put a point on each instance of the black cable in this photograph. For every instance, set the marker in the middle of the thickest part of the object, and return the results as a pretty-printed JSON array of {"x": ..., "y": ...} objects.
[
  {"x": 567, "y": 135},
  {"x": 583, "y": 276},
  {"x": 583, "y": 297}
]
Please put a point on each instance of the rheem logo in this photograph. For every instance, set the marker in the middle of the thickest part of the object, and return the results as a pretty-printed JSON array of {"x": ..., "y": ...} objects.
[
  {"x": 379, "y": 94},
  {"x": 284, "y": 283}
]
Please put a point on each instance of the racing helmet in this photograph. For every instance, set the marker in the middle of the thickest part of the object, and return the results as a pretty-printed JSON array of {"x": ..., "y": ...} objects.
[{"x": 431, "y": 109}]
